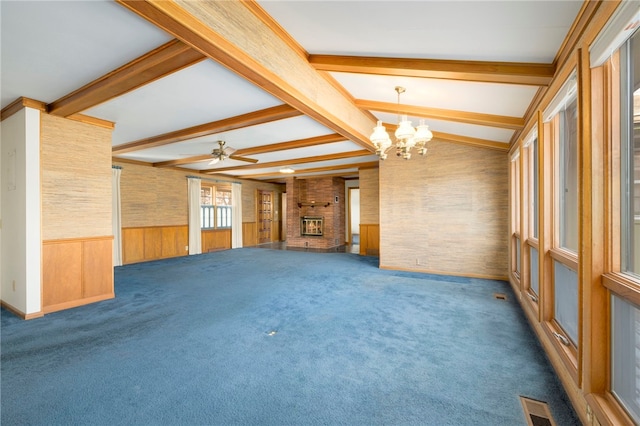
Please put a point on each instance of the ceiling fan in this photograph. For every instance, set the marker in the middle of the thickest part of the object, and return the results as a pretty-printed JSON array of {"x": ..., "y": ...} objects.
[{"x": 222, "y": 152}]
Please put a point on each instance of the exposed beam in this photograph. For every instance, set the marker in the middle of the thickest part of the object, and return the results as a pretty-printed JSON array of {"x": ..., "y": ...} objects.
[
  {"x": 368, "y": 164},
  {"x": 166, "y": 59},
  {"x": 245, "y": 120},
  {"x": 512, "y": 123},
  {"x": 228, "y": 31},
  {"x": 19, "y": 104},
  {"x": 318, "y": 158},
  {"x": 262, "y": 149},
  {"x": 465, "y": 140},
  {"x": 493, "y": 72},
  {"x": 299, "y": 143}
]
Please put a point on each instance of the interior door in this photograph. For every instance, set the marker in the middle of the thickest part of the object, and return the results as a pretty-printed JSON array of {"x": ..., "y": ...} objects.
[{"x": 265, "y": 216}]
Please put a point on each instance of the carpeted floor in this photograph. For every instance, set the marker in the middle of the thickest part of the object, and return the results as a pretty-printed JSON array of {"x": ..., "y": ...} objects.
[{"x": 269, "y": 337}]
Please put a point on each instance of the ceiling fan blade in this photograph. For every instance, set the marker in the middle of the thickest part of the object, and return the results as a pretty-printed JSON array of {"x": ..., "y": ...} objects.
[{"x": 248, "y": 160}]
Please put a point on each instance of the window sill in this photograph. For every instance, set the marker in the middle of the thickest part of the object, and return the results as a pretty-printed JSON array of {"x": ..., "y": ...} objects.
[
  {"x": 623, "y": 286},
  {"x": 568, "y": 353},
  {"x": 607, "y": 410}
]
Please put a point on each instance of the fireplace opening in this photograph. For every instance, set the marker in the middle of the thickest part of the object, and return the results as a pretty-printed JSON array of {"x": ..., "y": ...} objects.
[{"x": 311, "y": 226}]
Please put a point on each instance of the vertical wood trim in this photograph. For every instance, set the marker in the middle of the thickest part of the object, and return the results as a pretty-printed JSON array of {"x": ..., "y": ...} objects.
[
  {"x": 595, "y": 297},
  {"x": 547, "y": 206}
]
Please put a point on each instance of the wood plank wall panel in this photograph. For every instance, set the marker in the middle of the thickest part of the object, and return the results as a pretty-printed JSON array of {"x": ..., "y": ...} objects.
[
  {"x": 154, "y": 242},
  {"x": 369, "y": 239},
  {"x": 97, "y": 267},
  {"x": 76, "y": 272},
  {"x": 62, "y": 272},
  {"x": 213, "y": 240},
  {"x": 446, "y": 212},
  {"x": 249, "y": 234},
  {"x": 132, "y": 245},
  {"x": 76, "y": 179}
]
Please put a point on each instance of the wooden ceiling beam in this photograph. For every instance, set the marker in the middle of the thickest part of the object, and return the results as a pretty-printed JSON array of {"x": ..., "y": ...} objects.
[
  {"x": 532, "y": 74},
  {"x": 368, "y": 164},
  {"x": 166, "y": 59},
  {"x": 253, "y": 118},
  {"x": 232, "y": 34},
  {"x": 512, "y": 123},
  {"x": 318, "y": 158},
  {"x": 262, "y": 149}
]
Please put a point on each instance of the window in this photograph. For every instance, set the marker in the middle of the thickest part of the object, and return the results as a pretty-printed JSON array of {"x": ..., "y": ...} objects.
[
  {"x": 625, "y": 312},
  {"x": 515, "y": 214},
  {"x": 625, "y": 340},
  {"x": 215, "y": 207},
  {"x": 531, "y": 186},
  {"x": 568, "y": 182},
  {"x": 562, "y": 288}
]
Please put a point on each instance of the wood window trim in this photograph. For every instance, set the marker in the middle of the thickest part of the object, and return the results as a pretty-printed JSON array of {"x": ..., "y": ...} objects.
[
  {"x": 607, "y": 409},
  {"x": 567, "y": 258},
  {"x": 623, "y": 286},
  {"x": 568, "y": 353}
]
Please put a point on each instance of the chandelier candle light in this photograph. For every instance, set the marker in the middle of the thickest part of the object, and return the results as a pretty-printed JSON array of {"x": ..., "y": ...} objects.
[{"x": 407, "y": 136}]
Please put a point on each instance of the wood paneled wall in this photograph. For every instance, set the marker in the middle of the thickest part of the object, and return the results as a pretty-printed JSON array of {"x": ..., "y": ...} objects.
[
  {"x": 76, "y": 179},
  {"x": 76, "y": 272},
  {"x": 216, "y": 239},
  {"x": 446, "y": 212},
  {"x": 140, "y": 244},
  {"x": 249, "y": 234},
  {"x": 370, "y": 239}
]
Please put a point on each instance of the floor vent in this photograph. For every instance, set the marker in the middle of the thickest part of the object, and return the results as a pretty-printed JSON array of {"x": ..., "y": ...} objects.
[
  {"x": 500, "y": 296},
  {"x": 536, "y": 412}
]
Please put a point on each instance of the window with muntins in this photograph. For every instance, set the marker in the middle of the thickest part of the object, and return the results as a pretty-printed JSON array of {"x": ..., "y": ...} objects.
[{"x": 215, "y": 208}]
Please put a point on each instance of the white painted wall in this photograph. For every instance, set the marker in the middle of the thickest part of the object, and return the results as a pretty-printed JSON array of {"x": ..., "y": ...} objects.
[
  {"x": 354, "y": 199},
  {"x": 21, "y": 243},
  {"x": 350, "y": 184}
]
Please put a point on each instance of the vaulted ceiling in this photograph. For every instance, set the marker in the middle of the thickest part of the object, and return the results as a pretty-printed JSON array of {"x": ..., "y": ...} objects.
[{"x": 286, "y": 83}]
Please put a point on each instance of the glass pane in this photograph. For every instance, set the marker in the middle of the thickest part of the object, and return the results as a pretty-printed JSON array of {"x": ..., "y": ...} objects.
[
  {"x": 568, "y": 191},
  {"x": 630, "y": 152},
  {"x": 625, "y": 354},
  {"x": 534, "y": 281},
  {"x": 206, "y": 196},
  {"x": 223, "y": 198},
  {"x": 534, "y": 177},
  {"x": 565, "y": 282}
]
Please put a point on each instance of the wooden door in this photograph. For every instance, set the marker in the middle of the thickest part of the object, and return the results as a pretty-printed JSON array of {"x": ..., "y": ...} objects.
[{"x": 265, "y": 216}]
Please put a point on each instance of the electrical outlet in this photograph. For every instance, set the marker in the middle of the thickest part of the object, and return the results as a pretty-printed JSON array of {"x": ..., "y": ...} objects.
[
  {"x": 13, "y": 285},
  {"x": 186, "y": 248}
]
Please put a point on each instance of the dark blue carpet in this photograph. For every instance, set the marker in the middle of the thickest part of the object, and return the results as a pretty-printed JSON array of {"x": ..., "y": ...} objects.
[{"x": 267, "y": 337}]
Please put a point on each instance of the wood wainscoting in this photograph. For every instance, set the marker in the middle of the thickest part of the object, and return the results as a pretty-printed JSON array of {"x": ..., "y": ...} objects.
[
  {"x": 76, "y": 272},
  {"x": 141, "y": 244},
  {"x": 249, "y": 234},
  {"x": 370, "y": 239},
  {"x": 216, "y": 239}
]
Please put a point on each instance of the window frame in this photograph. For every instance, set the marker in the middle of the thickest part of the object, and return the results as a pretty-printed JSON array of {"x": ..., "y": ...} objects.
[
  {"x": 215, "y": 208},
  {"x": 554, "y": 253}
]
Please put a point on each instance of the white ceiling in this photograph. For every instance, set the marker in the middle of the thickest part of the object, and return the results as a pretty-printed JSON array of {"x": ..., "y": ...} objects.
[{"x": 52, "y": 48}]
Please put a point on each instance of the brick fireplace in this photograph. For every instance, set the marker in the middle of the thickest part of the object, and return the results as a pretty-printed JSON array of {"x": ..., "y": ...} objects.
[{"x": 315, "y": 213}]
